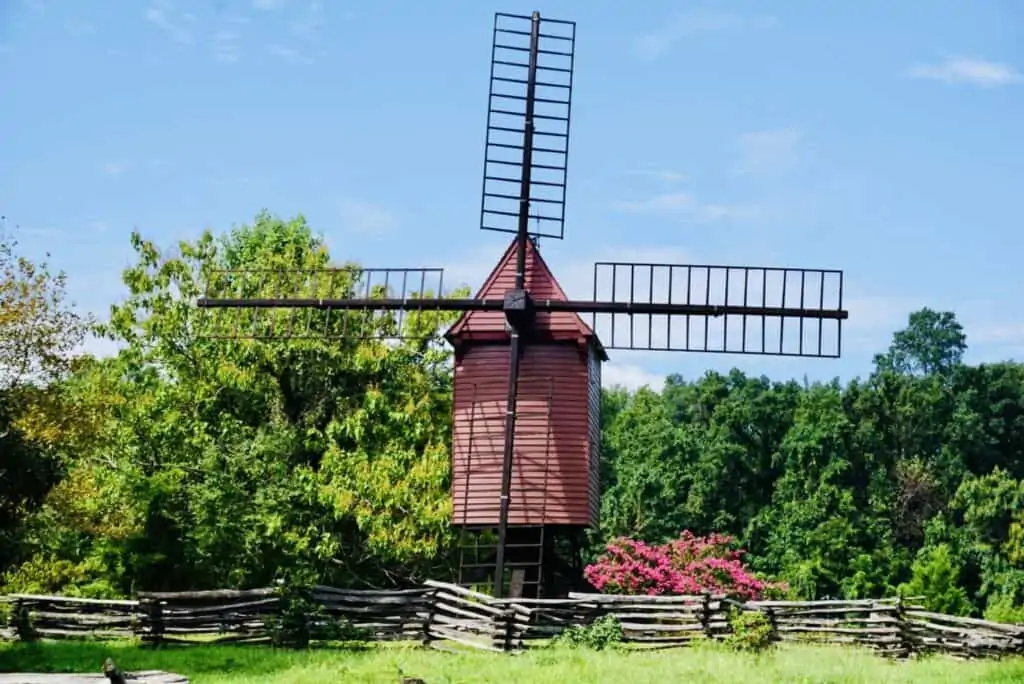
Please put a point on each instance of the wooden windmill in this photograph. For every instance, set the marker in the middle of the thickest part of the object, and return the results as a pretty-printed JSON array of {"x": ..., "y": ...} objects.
[{"x": 525, "y": 442}]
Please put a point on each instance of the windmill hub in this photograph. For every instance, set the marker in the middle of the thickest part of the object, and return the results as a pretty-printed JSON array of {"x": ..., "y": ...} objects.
[{"x": 519, "y": 309}]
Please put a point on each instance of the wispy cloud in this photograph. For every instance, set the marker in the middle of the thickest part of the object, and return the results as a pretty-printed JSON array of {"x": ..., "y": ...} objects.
[
  {"x": 176, "y": 25},
  {"x": 366, "y": 218},
  {"x": 685, "y": 24},
  {"x": 657, "y": 204},
  {"x": 662, "y": 175},
  {"x": 631, "y": 376},
  {"x": 114, "y": 168},
  {"x": 225, "y": 46},
  {"x": 267, "y": 5},
  {"x": 967, "y": 70},
  {"x": 78, "y": 29},
  {"x": 287, "y": 53},
  {"x": 683, "y": 203},
  {"x": 302, "y": 37},
  {"x": 769, "y": 151}
]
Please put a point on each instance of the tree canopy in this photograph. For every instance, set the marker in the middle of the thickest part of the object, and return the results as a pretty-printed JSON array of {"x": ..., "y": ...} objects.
[{"x": 191, "y": 462}]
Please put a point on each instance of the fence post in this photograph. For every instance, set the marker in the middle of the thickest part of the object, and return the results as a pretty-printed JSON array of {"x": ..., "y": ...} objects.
[
  {"x": 906, "y": 643},
  {"x": 154, "y": 611},
  {"x": 23, "y": 621},
  {"x": 431, "y": 598},
  {"x": 773, "y": 624},
  {"x": 705, "y": 615}
]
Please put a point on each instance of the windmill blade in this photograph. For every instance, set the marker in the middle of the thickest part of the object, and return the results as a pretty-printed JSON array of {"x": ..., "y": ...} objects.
[
  {"x": 724, "y": 309},
  {"x": 528, "y": 106},
  {"x": 348, "y": 302}
]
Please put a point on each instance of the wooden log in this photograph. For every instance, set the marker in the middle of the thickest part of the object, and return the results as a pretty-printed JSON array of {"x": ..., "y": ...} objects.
[
  {"x": 141, "y": 677},
  {"x": 69, "y": 600},
  {"x": 207, "y": 595}
]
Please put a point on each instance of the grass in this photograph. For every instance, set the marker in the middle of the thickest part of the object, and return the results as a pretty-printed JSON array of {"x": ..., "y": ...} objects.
[{"x": 236, "y": 664}]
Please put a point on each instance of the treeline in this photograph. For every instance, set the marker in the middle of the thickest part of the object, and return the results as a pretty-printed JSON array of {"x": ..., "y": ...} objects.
[{"x": 189, "y": 462}]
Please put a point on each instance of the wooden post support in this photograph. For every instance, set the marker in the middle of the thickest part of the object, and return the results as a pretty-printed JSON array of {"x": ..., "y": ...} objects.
[
  {"x": 154, "y": 611},
  {"x": 111, "y": 672},
  {"x": 23, "y": 621},
  {"x": 705, "y": 616}
]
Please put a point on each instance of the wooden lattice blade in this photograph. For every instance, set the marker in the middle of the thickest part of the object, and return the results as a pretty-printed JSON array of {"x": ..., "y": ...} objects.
[
  {"x": 505, "y": 140},
  {"x": 723, "y": 309},
  {"x": 287, "y": 304}
]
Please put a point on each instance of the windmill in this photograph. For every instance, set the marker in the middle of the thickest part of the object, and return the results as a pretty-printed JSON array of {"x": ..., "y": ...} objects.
[{"x": 527, "y": 368}]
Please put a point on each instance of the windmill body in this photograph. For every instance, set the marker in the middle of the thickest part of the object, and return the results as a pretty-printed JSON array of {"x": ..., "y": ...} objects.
[
  {"x": 527, "y": 375},
  {"x": 554, "y": 491}
]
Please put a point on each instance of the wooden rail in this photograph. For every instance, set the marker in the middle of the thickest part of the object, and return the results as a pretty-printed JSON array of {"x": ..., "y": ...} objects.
[{"x": 447, "y": 616}]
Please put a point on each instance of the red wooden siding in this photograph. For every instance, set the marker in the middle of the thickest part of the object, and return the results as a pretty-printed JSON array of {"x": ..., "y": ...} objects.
[
  {"x": 552, "y": 480},
  {"x": 541, "y": 283}
]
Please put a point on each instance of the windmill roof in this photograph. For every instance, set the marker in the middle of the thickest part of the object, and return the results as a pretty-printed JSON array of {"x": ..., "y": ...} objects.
[{"x": 541, "y": 284}]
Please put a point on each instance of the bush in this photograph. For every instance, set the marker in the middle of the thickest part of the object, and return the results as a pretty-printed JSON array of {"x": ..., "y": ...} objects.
[
  {"x": 603, "y": 633},
  {"x": 301, "y": 620},
  {"x": 687, "y": 565},
  {"x": 751, "y": 631}
]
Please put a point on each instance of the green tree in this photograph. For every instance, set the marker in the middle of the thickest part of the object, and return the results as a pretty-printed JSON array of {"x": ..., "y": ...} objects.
[{"x": 932, "y": 343}]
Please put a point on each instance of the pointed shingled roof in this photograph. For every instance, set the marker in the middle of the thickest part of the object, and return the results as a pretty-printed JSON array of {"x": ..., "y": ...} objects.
[{"x": 541, "y": 283}]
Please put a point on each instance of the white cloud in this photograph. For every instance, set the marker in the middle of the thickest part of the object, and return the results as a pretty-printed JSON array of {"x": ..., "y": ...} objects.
[
  {"x": 79, "y": 29},
  {"x": 631, "y": 377},
  {"x": 658, "y": 204},
  {"x": 685, "y": 24},
  {"x": 224, "y": 46},
  {"x": 684, "y": 204},
  {"x": 969, "y": 70},
  {"x": 670, "y": 177},
  {"x": 266, "y": 5},
  {"x": 769, "y": 151},
  {"x": 114, "y": 168},
  {"x": 175, "y": 24},
  {"x": 307, "y": 27},
  {"x": 287, "y": 53},
  {"x": 363, "y": 217},
  {"x": 303, "y": 36}
]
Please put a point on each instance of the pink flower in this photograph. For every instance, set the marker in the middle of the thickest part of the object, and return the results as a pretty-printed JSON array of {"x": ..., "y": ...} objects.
[{"x": 687, "y": 565}]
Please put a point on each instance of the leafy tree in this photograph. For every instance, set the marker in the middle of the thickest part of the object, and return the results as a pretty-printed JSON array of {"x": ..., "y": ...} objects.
[
  {"x": 229, "y": 462},
  {"x": 932, "y": 343},
  {"x": 39, "y": 331}
]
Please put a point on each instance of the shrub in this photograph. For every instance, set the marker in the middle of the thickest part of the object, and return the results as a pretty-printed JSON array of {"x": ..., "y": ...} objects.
[
  {"x": 301, "y": 620},
  {"x": 602, "y": 633},
  {"x": 687, "y": 565},
  {"x": 751, "y": 632}
]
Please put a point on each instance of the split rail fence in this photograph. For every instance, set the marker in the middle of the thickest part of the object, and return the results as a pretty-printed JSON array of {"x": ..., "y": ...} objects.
[{"x": 447, "y": 616}]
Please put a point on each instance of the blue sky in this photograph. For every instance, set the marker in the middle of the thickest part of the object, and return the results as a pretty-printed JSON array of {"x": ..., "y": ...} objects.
[{"x": 880, "y": 138}]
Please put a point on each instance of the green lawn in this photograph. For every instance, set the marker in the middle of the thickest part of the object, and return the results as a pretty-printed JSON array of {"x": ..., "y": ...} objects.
[{"x": 227, "y": 664}]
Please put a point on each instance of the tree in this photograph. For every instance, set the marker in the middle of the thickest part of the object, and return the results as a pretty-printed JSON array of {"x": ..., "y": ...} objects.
[
  {"x": 39, "y": 328},
  {"x": 932, "y": 343},
  {"x": 39, "y": 331},
  {"x": 233, "y": 462}
]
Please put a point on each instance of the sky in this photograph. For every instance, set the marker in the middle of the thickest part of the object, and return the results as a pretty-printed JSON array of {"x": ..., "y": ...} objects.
[{"x": 880, "y": 138}]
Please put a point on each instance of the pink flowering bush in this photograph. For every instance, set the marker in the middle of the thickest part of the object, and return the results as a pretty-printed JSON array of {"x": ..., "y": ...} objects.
[{"x": 687, "y": 565}]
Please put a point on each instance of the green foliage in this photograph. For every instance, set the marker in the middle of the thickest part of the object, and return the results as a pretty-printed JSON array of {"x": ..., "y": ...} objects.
[
  {"x": 604, "y": 632},
  {"x": 936, "y": 578},
  {"x": 193, "y": 461},
  {"x": 750, "y": 631},
  {"x": 302, "y": 620}
]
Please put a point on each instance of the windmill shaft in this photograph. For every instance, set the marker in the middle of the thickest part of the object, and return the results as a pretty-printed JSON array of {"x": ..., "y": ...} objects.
[
  {"x": 524, "y": 184},
  {"x": 515, "y": 342},
  {"x": 541, "y": 306}
]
